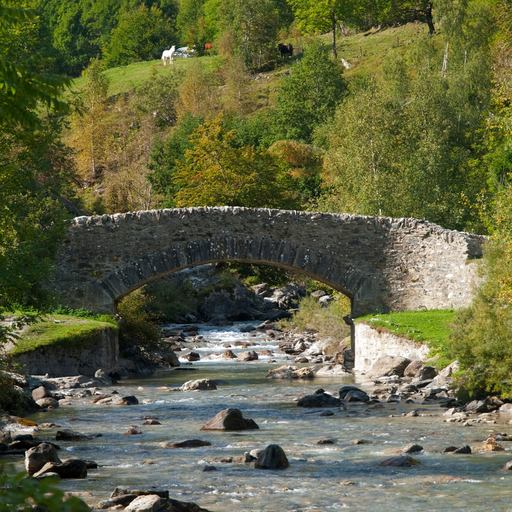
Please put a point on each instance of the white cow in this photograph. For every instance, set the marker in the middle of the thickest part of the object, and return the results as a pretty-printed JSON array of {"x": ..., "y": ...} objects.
[{"x": 168, "y": 54}]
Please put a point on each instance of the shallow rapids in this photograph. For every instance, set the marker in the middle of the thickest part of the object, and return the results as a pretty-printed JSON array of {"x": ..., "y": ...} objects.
[{"x": 320, "y": 477}]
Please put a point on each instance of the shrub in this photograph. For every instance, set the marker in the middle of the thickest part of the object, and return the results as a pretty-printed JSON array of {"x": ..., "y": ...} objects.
[
  {"x": 482, "y": 335},
  {"x": 137, "y": 327},
  {"x": 328, "y": 321},
  {"x": 28, "y": 494}
]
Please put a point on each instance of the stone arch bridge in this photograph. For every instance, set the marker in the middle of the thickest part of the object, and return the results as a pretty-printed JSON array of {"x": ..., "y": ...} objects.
[{"x": 380, "y": 263}]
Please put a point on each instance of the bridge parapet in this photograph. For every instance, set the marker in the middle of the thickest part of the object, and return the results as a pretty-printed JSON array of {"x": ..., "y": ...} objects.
[{"x": 380, "y": 263}]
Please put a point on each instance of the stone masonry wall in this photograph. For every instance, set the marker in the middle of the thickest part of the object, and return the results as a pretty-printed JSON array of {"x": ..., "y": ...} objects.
[
  {"x": 370, "y": 345},
  {"x": 60, "y": 360},
  {"x": 380, "y": 263}
]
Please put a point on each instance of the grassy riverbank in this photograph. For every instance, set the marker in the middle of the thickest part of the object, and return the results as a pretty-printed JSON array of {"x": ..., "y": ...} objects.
[
  {"x": 431, "y": 326},
  {"x": 58, "y": 329}
]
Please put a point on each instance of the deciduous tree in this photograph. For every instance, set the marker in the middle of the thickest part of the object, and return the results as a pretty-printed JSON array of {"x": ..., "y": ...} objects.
[{"x": 215, "y": 173}]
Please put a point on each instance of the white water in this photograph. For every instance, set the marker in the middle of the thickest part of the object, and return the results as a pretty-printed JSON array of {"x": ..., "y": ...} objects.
[{"x": 320, "y": 478}]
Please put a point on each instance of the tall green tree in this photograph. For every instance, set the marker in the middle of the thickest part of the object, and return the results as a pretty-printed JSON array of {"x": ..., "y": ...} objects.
[
  {"x": 142, "y": 34},
  {"x": 31, "y": 219},
  {"x": 253, "y": 26},
  {"x": 309, "y": 96},
  {"x": 322, "y": 16}
]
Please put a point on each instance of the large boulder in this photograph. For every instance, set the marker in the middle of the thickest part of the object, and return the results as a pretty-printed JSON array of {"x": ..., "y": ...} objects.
[
  {"x": 48, "y": 403},
  {"x": 319, "y": 400},
  {"x": 386, "y": 366},
  {"x": 198, "y": 385},
  {"x": 353, "y": 394},
  {"x": 412, "y": 368},
  {"x": 250, "y": 355},
  {"x": 290, "y": 372},
  {"x": 150, "y": 503},
  {"x": 288, "y": 296},
  {"x": 40, "y": 393},
  {"x": 230, "y": 419},
  {"x": 71, "y": 468},
  {"x": 272, "y": 457},
  {"x": 38, "y": 456}
]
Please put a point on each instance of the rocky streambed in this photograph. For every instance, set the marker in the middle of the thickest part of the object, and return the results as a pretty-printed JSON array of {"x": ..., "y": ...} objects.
[{"x": 394, "y": 440}]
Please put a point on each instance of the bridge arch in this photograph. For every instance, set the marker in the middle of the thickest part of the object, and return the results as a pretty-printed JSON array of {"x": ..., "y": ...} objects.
[
  {"x": 284, "y": 254},
  {"x": 379, "y": 263}
]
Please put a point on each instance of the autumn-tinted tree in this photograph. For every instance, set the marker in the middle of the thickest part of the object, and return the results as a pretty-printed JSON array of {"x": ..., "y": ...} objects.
[
  {"x": 215, "y": 173},
  {"x": 89, "y": 124}
]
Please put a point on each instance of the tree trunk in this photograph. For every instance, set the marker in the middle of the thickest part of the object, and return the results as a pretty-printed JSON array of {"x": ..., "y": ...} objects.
[
  {"x": 429, "y": 19},
  {"x": 334, "y": 54}
]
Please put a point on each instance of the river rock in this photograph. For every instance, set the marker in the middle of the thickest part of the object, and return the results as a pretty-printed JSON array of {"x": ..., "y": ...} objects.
[
  {"x": 245, "y": 458},
  {"x": 189, "y": 443},
  {"x": 40, "y": 393},
  {"x": 124, "y": 491},
  {"x": 230, "y": 419},
  {"x": 5, "y": 437},
  {"x": 426, "y": 372},
  {"x": 508, "y": 465},
  {"x": 229, "y": 354},
  {"x": 450, "y": 369},
  {"x": 506, "y": 409},
  {"x": 336, "y": 369},
  {"x": 386, "y": 366},
  {"x": 38, "y": 456},
  {"x": 251, "y": 355},
  {"x": 412, "y": 448},
  {"x": 353, "y": 394},
  {"x": 272, "y": 457},
  {"x": 150, "y": 503},
  {"x": 193, "y": 356},
  {"x": 319, "y": 400},
  {"x": 326, "y": 440},
  {"x": 403, "y": 461},
  {"x": 48, "y": 403},
  {"x": 412, "y": 368},
  {"x": 117, "y": 400},
  {"x": 462, "y": 450},
  {"x": 103, "y": 377},
  {"x": 198, "y": 385},
  {"x": 486, "y": 405},
  {"x": 290, "y": 372},
  {"x": 70, "y": 435},
  {"x": 262, "y": 289},
  {"x": 71, "y": 468},
  {"x": 133, "y": 431}
]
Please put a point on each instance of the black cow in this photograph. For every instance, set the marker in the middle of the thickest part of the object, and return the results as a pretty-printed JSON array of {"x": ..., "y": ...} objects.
[{"x": 285, "y": 49}]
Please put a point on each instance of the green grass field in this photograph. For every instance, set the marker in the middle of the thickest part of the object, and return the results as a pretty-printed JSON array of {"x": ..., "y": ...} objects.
[
  {"x": 61, "y": 329},
  {"x": 431, "y": 326},
  {"x": 366, "y": 52}
]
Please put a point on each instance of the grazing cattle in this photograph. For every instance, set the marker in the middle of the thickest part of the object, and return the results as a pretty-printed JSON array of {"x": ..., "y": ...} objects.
[
  {"x": 208, "y": 47},
  {"x": 168, "y": 54},
  {"x": 285, "y": 49}
]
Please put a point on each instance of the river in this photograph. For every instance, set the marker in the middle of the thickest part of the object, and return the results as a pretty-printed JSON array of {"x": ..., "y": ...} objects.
[{"x": 320, "y": 477}]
